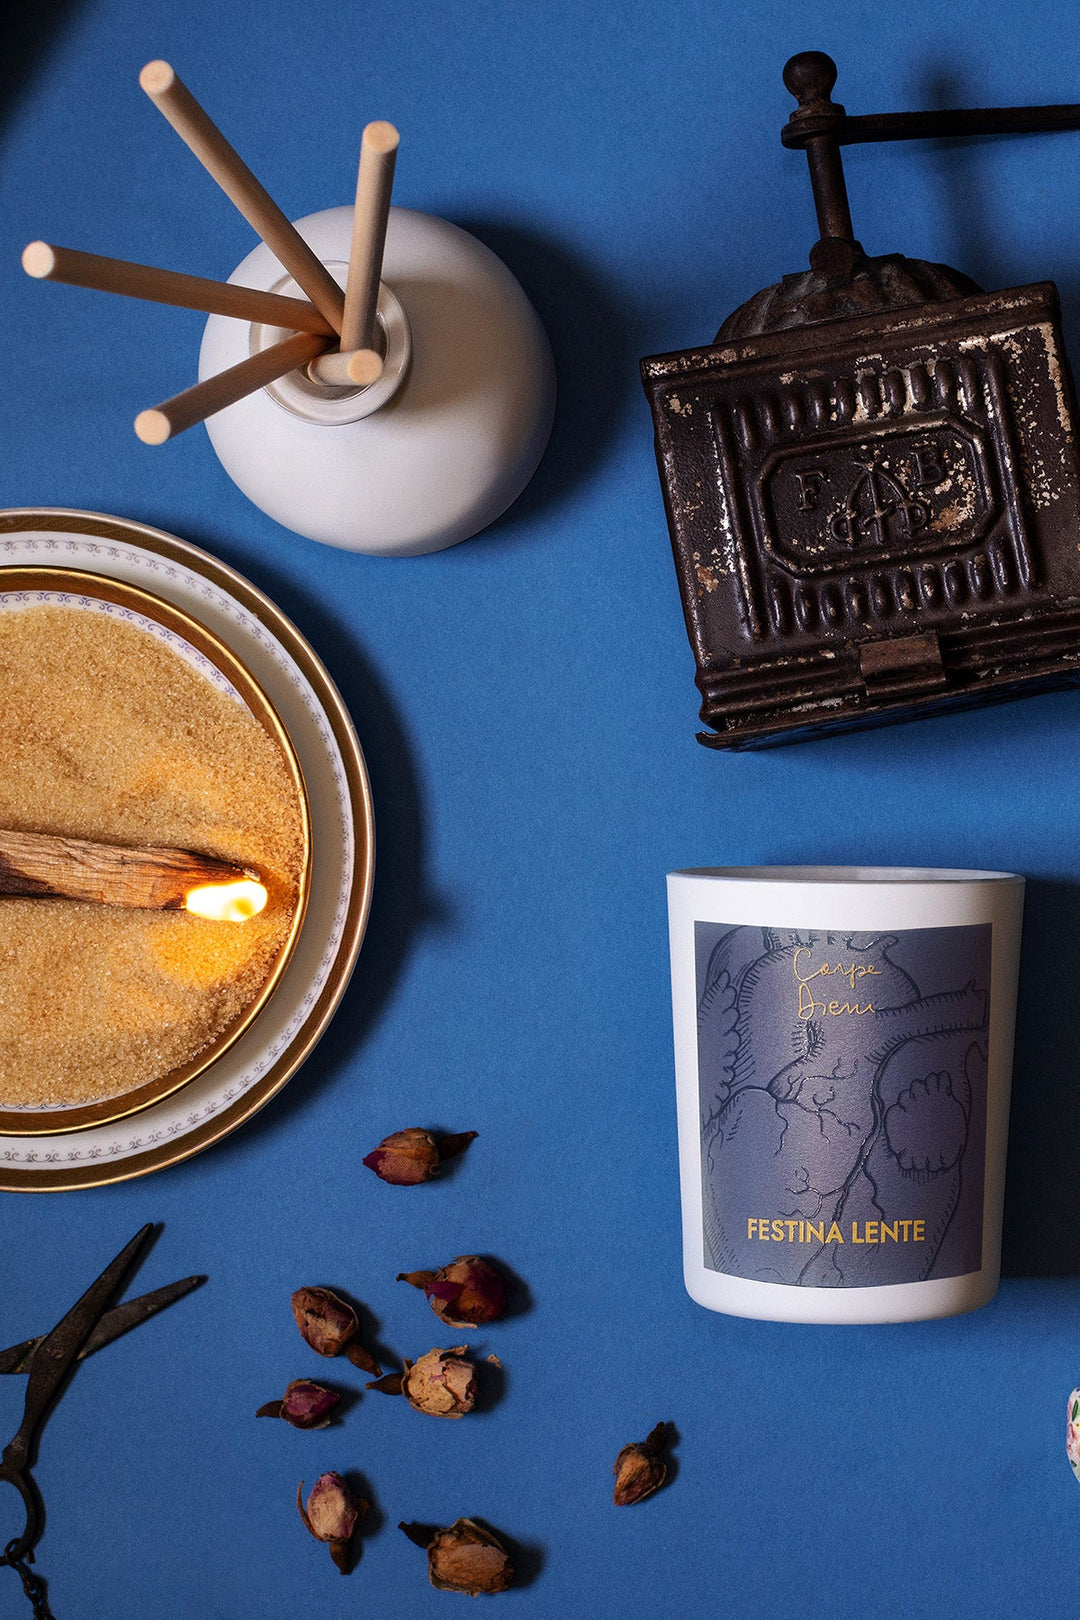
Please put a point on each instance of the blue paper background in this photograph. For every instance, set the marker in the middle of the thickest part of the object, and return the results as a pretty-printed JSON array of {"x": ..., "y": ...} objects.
[{"x": 527, "y": 708}]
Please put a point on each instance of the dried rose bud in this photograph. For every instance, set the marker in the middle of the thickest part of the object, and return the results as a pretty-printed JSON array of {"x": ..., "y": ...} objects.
[
  {"x": 442, "y": 1383},
  {"x": 466, "y": 1557},
  {"x": 329, "y": 1325},
  {"x": 305, "y": 1405},
  {"x": 331, "y": 1514},
  {"x": 466, "y": 1293},
  {"x": 408, "y": 1157},
  {"x": 324, "y": 1320},
  {"x": 639, "y": 1469}
]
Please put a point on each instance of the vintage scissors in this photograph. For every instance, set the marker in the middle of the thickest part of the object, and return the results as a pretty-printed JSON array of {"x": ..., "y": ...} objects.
[{"x": 48, "y": 1360}]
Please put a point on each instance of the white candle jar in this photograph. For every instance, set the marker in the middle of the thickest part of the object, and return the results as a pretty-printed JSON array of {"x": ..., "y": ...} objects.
[{"x": 843, "y": 1054}]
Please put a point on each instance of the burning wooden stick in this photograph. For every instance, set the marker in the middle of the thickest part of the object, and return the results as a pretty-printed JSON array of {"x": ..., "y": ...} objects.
[{"x": 149, "y": 878}]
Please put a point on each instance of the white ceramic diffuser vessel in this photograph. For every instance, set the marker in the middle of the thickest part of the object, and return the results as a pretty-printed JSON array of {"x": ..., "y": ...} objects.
[
  {"x": 419, "y": 428},
  {"x": 434, "y": 450}
]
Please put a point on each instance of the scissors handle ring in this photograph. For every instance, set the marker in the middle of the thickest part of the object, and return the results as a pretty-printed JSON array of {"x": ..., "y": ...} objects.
[{"x": 19, "y": 1546}]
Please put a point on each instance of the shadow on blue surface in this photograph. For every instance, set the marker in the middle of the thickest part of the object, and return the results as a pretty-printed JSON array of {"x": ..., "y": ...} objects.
[
  {"x": 491, "y": 1385},
  {"x": 373, "y": 1520},
  {"x": 402, "y": 903},
  {"x": 595, "y": 360},
  {"x": 1042, "y": 1203},
  {"x": 997, "y": 258},
  {"x": 527, "y": 1556},
  {"x": 370, "y": 1326},
  {"x": 961, "y": 175},
  {"x": 27, "y": 34}
]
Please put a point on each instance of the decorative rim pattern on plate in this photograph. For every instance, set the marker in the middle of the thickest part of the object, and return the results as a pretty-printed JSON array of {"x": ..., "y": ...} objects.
[
  {"x": 270, "y": 1052},
  {"x": 13, "y": 601}
]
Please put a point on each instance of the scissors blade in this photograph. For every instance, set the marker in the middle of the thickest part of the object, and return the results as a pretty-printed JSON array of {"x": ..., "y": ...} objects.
[
  {"x": 17, "y": 1358},
  {"x": 58, "y": 1349}
]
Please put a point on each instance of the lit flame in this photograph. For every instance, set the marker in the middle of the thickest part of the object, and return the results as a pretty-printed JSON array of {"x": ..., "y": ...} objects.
[{"x": 226, "y": 902}]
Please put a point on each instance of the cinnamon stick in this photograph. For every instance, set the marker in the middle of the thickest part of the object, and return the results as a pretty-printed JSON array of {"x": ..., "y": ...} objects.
[{"x": 150, "y": 878}]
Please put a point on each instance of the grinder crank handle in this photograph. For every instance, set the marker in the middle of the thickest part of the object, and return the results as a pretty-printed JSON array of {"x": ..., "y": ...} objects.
[{"x": 810, "y": 77}]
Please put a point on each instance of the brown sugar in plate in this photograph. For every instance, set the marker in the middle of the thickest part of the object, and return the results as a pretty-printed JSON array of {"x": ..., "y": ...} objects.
[{"x": 123, "y": 720}]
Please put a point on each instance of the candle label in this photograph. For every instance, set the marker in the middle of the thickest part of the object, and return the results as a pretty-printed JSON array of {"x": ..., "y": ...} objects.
[{"x": 843, "y": 1102}]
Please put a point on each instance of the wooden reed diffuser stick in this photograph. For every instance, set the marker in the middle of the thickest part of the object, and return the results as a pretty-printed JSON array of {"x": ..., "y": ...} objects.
[
  {"x": 46, "y": 262},
  {"x": 195, "y": 404},
  {"x": 374, "y": 182},
  {"x": 175, "y": 101},
  {"x": 357, "y": 369},
  {"x": 151, "y": 879}
]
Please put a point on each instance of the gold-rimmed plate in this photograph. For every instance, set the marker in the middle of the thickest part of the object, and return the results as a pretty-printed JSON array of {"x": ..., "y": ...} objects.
[
  {"x": 271, "y": 1048},
  {"x": 76, "y": 591}
]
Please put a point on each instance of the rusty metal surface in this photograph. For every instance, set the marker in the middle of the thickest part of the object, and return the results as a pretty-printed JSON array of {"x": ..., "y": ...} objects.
[
  {"x": 811, "y": 75},
  {"x": 872, "y": 488},
  {"x": 874, "y": 285}
]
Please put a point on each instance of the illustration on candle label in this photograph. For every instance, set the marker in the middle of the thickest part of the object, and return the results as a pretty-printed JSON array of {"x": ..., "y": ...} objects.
[{"x": 843, "y": 1102}]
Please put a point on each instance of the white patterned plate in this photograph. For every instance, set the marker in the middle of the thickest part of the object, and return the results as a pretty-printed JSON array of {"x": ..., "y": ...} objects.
[{"x": 343, "y": 848}]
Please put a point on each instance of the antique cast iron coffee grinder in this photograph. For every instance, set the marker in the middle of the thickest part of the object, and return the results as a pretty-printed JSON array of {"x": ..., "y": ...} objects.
[{"x": 871, "y": 476}]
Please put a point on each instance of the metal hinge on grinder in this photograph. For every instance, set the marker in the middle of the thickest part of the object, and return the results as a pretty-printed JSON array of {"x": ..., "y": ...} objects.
[{"x": 905, "y": 666}]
